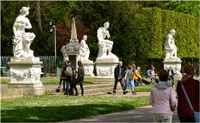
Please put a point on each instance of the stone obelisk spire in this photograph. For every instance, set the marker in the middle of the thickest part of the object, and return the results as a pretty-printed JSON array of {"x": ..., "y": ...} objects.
[{"x": 73, "y": 32}]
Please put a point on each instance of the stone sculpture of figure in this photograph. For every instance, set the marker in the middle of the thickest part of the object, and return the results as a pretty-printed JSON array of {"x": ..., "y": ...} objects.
[
  {"x": 22, "y": 40},
  {"x": 84, "y": 51},
  {"x": 105, "y": 45},
  {"x": 170, "y": 47}
]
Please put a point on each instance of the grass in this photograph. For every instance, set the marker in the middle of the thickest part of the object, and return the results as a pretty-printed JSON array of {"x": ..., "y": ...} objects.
[
  {"x": 50, "y": 80},
  {"x": 4, "y": 80},
  {"x": 144, "y": 88},
  {"x": 54, "y": 108}
]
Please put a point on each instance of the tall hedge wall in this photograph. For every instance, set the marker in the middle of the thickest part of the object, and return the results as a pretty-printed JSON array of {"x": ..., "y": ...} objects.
[{"x": 152, "y": 27}]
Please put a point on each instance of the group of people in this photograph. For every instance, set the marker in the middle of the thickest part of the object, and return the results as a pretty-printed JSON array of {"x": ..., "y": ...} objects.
[
  {"x": 127, "y": 77},
  {"x": 164, "y": 98},
  {"x": 70, "y": 78}
]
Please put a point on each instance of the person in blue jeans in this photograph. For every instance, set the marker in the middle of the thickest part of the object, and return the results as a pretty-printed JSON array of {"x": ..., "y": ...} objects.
[{"x": 129, "y": 79}]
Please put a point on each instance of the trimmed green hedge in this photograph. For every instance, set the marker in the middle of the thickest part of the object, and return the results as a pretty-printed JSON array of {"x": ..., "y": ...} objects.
[{"x": 152, "y": 27}]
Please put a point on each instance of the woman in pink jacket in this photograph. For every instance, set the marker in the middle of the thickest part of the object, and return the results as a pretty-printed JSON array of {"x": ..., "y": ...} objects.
[{"x": 163, "y": 99}]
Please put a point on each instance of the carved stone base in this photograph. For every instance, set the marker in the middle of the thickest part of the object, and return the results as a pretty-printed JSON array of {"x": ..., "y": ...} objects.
[
  {"x": 105, "y": 69},
  {"x": 88, "y": 68},
  {"x": 175, "y": 64},
  {"x": 25, "y": 75},
  {"x": 27, "y": 89}
]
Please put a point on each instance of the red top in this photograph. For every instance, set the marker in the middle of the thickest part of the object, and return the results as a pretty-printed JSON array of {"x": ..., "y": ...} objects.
[
  {"x": 192, "y": 90},
  {"x": 62, "y": 75}
]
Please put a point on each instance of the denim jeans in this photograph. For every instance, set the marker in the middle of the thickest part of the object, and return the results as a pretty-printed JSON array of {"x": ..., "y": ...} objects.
[
  {"x": 131, "y": 83},
  {"x": 124, "y": 85}
]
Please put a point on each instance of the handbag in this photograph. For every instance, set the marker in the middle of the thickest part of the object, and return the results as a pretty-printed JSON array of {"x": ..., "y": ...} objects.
[{"x": 196, "y": 114}]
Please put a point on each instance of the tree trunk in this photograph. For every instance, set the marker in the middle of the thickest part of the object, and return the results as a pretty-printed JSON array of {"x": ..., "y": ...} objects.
[{"x": 38, "y": 14}]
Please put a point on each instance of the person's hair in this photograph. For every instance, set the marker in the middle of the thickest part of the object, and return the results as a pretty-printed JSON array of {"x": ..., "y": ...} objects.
[
  {"x": 129, "y": 67},
  {"x": 163, "y": 75},
  {"x": 80, "y": 64},
  {"x": 188, "y": 69}
]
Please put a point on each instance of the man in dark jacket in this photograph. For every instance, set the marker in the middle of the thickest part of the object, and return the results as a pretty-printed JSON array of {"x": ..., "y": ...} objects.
[{"x": 119, "y": 74}]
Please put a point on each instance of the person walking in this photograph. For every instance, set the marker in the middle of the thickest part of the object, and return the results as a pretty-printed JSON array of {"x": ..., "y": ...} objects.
[
  {"x": 69, "y": 76},
  {"x": 137, "y": 76},
  {"x": 152, "y": 74},
  {"x": 62, "y": 78},
  {"x": 171, "y": 76},
  {"x": 80, "y": 78},
  {"x": 118, "y": 74},
  {"x": 129, "y": 79},
  {"x": 191, "y": 87},
  {"x": 163, "y": 99}
]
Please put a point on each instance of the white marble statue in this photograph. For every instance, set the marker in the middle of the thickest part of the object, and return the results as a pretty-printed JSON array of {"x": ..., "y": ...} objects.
[
  {"x": 22, "y": 40},
  {"x": 170, "y": 47},
  {"x": 84, "y": 51},
  {"x": 105, "y": 45}
]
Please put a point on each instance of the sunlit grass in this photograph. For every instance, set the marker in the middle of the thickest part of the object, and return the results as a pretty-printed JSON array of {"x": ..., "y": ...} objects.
[{"x": 51, "y": 108}]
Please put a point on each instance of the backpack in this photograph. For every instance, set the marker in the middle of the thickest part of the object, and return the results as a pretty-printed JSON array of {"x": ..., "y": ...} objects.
[
  {"x": 148, "y": 73},
  {"x": 69, "y": 71},
  {"x": 130, "y": 74}
]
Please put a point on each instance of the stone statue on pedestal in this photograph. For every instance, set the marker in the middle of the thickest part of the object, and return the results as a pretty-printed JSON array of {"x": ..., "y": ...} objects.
[
  {"x": 106, "y": 61},
  {"x": 171, "y": 60},
  {"x": 170, "y": 47},
  {"x": 105, "y": 45},
  {"x": 84, "y": 51},
  {"x": 22, "y": 40},
  {"x": 25, "y": 69}
]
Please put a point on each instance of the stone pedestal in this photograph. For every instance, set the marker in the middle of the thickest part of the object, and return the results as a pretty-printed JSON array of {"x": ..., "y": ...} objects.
[
  {"x": 25, "y": 76},
  {"x": 88, "y": 68},
  {"x": 105, "y": 68},
  {"x": 175, "y": 64}
]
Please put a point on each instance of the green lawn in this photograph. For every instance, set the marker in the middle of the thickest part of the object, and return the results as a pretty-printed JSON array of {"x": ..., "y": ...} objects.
[
  {"x": 46, "y": 80},
  {"x": 144, "y": 88},
  {"x": 53, "y": 108}
]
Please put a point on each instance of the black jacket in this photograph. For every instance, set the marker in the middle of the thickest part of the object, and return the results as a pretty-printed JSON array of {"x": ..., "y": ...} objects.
[{"x": 116, "y": 72}]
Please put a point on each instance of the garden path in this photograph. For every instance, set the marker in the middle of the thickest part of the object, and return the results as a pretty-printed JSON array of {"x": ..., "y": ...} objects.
[{"x": 143, "y": 114}]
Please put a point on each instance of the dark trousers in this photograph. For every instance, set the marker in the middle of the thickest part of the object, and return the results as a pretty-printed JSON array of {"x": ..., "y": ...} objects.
[
  {"x": 80, "y": 82},
  {"x": 138, "y": 82},
  {"x": 62, "y": 81},
  {"x": 115, "y": 85},
  {"x": 186, "y": 119}
]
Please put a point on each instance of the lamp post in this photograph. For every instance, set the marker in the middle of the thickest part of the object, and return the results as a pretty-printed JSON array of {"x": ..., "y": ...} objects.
[{"x": 53, "y": 29}]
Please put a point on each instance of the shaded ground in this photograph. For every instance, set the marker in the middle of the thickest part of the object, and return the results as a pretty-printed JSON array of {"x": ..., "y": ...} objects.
[{"x": 143, "y": 114}]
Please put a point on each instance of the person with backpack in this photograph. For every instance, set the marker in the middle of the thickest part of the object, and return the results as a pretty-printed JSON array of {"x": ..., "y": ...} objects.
[
  {"x": 69, "y": 77},
  {"x": 80, "y": 78},
  {"x": 129, "y": 79}
]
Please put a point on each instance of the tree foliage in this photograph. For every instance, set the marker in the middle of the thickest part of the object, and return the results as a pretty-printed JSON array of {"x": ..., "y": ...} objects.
[{"x": 138, "y": 33}]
